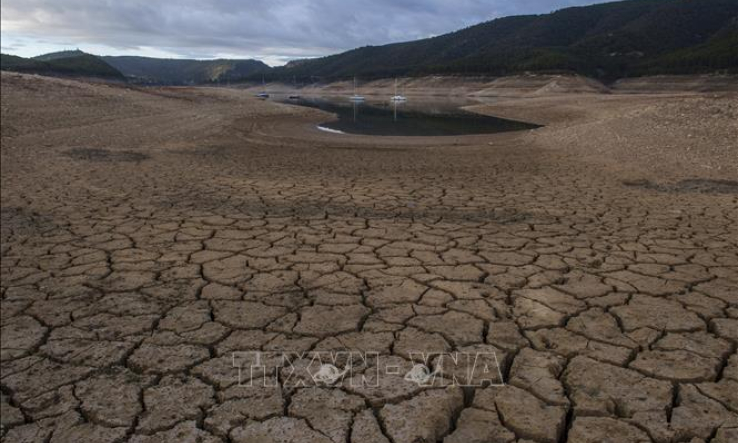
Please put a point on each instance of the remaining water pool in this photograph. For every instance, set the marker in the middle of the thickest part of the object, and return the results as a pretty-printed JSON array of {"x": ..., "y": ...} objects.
[{"x": 416, "y": 117}]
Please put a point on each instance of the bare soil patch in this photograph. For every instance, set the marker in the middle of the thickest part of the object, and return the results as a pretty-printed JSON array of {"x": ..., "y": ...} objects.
[
  {"x": 591, "y": 263},
  {"x": 103, "y": 155},
  {"x": 693, "y": 185}
]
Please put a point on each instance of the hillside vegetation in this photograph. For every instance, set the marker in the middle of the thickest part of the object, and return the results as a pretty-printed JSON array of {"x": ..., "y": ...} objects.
[
  {"x": 183, "y": 71},
  {"x": 606, "y": 41},
  {"x": 67, "y": 63},
  {"x": 611, "y": 40},
  {"x": 135, "y": 69}
]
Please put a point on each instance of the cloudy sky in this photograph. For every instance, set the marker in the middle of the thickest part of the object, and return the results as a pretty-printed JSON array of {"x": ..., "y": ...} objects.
[{"x": 274, "y": 31}]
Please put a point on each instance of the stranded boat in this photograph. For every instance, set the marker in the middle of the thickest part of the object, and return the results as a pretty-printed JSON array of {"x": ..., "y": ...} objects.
[
  {"x": 263, "y": 93},
  {"x": 397, "y": 97},
  {"x": 356, "y": 97}
]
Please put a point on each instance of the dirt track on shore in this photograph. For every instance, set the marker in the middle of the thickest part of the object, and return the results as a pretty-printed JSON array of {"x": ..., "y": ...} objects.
[{"x": 148, "y": 234}]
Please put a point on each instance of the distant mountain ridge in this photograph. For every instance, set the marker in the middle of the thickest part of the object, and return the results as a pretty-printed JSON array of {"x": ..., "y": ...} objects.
[
  {"x": 184, "y": 71},
  {"x": 608, "y": 40},
  {"x": 144, "y": 70},
  {"x": 51, "y": 56},
  {"x": 66, "y": 63}
]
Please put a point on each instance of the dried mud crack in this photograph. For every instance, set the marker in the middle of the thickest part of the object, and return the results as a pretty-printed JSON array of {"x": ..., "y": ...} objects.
[{"x": 198, "y": 226}]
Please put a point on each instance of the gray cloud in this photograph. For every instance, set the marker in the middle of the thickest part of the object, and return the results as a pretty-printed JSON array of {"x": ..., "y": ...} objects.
[{"x": 275, "y": 30}]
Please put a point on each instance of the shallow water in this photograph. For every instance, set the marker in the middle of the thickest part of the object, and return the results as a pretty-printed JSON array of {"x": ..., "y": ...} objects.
[{"x": 416, "y": 117}]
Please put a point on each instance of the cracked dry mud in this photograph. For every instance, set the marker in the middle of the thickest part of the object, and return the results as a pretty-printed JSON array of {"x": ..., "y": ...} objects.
[{"x": 148, "y": 235}]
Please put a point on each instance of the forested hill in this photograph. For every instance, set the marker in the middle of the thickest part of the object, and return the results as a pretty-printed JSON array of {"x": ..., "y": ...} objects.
[
  {"x": 610, "y": 40},
  {"x": 605, "y": 41},
  {"x": 65, "y": 63},
  {"x": 184, "y": 71}
]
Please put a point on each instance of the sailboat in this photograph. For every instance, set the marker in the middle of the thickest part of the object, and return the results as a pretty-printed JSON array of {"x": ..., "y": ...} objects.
[
  {"x": 263, "y": 93},
  {"x": 356, "y": 97},
  {"x": 397, "y": 97},
  {"x": 294, "y": 86}
]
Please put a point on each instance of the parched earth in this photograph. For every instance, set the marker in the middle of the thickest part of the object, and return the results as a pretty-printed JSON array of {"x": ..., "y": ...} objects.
[{"x": 154, "y": 240}]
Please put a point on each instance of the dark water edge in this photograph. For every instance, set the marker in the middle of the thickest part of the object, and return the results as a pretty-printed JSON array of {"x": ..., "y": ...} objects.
[{"x": 427, "y": 119}]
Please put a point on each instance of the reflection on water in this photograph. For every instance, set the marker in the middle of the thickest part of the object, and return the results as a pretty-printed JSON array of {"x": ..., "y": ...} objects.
[{"x": 416, "y": 117}]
